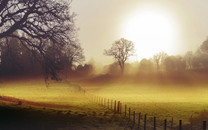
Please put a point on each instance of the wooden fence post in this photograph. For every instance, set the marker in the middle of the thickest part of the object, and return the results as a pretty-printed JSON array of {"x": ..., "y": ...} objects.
[
  {"x": 104, "y": 102},
  {"x": 145, "y": 120},
  {"x": 180, "y": 124},
  {"x": 204, "y": 125},
  {"x": 191, "y": 122},
  {"x": 115, "y": 106},
  {"x": 111, "y": 104},
  {"x": 165, "y": 124},
  {"x": 171, "y": 125},
  {"x": 99, "y": 100},
  {"x": 118, "y": 106},
  {"x": 125, "y": 109},
  {"x": 139, "y": 118},
  {"x": 134, "y": 118},
  {"x": 154, "y": 123},
  {"x": 129, "y": 113}
]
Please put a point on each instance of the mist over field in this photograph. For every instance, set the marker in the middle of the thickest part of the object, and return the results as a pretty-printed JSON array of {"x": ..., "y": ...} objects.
[{"x": 103, "y": 65}]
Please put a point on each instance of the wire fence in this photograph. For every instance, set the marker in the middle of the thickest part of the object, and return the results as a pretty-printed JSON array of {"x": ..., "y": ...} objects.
[{"x": 145, "y": 121}]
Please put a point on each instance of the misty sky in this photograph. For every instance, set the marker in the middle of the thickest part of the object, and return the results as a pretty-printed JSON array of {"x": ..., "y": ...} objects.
[{"x": 172, "y": 26}]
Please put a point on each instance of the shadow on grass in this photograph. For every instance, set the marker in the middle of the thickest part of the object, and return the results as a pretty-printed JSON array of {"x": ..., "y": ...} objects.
[{"x": 15, "y": 118}]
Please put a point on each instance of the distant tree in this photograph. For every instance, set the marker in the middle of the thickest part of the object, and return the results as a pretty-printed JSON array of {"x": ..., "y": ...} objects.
[
  {"x": 200, "y": 57},
  {"x": 73, "y": 57},
  {"x": 74, "y": 54},
  {"x": 174, "y": 64},
  {"x": 204, "y": 47},
  {"x": 38, "y": 21},
  {"x": 113, "y": 68},
  {"x": 10, "y": 57},
  {"x": 146, "y": 66},
  {"x": 159, "y": 59},
  {"x": 84, "y": 70},
  {"x": 189, "y": 60},
  {"x": 121, "y": 50},
  {"x": 16, "y": 59}
]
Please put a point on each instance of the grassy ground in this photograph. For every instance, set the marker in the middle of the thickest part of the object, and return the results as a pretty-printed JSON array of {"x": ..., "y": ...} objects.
[
  {"x": 30, "y": 105},
  {"x": 171, "y": 102},
  {"x": 21, "y": 117},
  {"x": 66, "y": 106}
]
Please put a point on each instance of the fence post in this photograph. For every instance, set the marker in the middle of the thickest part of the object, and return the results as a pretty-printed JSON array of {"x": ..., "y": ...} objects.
[
  {"x": 115, "y": 106},
  {"x": 118, "y": 106},
  {"x": 204, "y": 125},
  {"x": 103, "y": 101},
  {"x": 125, "y": 109},
  {"x": 165, "y": 124},
  {"x": 180, "y": 124},
  {"x": 139, "y": 118},
  {"x": 171, "y": 125},
  {"x": 111, "y": 104},
  {"x": 99, "y": 101},
  {"x": 134, "y": 118},
  {"x": 145, "y": 120},
  {"x": 154, "y": 123},
  {"x": 129, "y": 113},
  {"x": 108, "y": 103}
]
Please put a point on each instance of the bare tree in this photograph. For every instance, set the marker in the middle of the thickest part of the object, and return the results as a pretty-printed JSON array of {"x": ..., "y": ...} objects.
[
  {"x": 73, "y": 56},
  {"x": 37, "y": 22},
  {"x": 189, "y": 59},
  {"x": 204, "y": 47},
  {"x": 159, "y": 58},
  {"x": 121, "y": 50}
]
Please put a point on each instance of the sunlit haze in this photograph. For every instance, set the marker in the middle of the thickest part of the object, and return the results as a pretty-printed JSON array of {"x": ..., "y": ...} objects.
[
  {"x": 152, "y": 31},
  {"x": 174, "y": 27},
  {"x": 103, "y": 64}
]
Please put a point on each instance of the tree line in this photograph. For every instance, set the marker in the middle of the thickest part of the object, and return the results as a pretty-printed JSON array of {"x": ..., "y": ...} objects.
[
  {"x": 123, "y": 49},
  {"x": 40, "y": 36}
]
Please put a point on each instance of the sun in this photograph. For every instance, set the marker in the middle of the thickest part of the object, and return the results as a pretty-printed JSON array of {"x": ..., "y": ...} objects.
[{"x": 151, "y": 31}]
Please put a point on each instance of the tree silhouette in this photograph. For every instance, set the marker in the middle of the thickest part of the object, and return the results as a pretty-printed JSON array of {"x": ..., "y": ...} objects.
[
  {"x": 121, "y": 50},
  {"x": 37, "y": 22},
  {"x": 200, "y": 58},
  {"x": 204, "y": 47},
  {"x": 146, "y": 66},
  {"x": 73, "y": 56},
  {"x": 159, "y": 58},
  {"x": 189, "y": 60}
]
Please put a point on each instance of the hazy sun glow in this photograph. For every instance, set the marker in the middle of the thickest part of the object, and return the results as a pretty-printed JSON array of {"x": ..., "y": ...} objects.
[{"x": 152, "y": 31}]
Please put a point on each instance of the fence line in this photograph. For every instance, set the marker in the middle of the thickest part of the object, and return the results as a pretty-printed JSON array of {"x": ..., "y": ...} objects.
[{"x": 116, "y": 106}]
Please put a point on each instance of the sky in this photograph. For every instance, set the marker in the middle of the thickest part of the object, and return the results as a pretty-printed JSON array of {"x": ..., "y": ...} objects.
[{"x": 172, "y": 26}]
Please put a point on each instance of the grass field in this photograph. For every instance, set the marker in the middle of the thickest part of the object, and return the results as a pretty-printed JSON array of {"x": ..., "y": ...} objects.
[
  {"x": 180, "y": 102},
  {"x": 79, "y": 112},
  {"x": 62, "y": 106}
]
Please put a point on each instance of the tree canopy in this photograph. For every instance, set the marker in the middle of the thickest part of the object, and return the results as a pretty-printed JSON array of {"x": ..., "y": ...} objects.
[
  {"x": 121, "y": 50},
  {"x": 35, "y": 24}
]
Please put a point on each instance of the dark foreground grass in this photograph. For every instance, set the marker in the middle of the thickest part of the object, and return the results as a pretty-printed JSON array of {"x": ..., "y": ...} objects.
[
  {"x": 17, "y": 118},
  {"x": 20, "y": 117}
]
